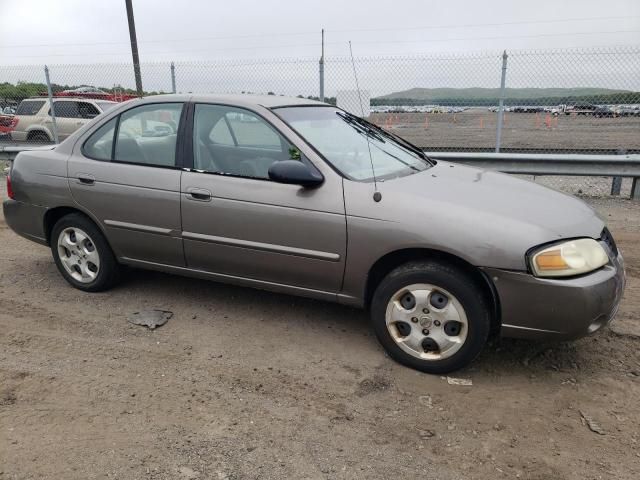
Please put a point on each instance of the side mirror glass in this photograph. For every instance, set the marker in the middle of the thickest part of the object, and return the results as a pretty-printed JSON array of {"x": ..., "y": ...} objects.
[{"x": 294, "y": 172}]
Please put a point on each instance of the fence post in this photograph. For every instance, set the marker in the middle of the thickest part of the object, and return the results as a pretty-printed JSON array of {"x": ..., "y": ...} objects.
[
  {"x": 616, "y": 182},
  {"x": 54, "y": 126},
  {"x": 503, "y": 80},
  {"x": 635, "y": 188},
  {"x": 322, "y": 70},
  {"x": 173, "y": 78}
]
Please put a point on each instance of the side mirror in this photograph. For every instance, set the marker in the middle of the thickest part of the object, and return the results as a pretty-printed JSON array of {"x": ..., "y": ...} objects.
[{"x": 294, "y": 172}]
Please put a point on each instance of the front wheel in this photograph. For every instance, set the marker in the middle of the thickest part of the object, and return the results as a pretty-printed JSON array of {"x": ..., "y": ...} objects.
[
  {"x": 82, "y": 254},
  {"x": 431, "y": 316}
]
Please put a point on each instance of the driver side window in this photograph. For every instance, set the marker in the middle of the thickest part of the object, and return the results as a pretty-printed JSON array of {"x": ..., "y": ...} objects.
[{"x": 237, "y": 142}]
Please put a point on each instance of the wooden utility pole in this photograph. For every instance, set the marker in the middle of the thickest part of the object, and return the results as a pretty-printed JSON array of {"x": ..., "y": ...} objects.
[{"x": 134, "y": 47}]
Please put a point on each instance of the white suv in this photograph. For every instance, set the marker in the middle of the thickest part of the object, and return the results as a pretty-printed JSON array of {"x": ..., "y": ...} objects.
[{"x": 34, "y": 122}]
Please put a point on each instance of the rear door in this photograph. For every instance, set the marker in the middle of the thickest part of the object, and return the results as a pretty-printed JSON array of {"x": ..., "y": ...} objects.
[
  {"x": 237, "y": 222},
  {"x": 126, "y": 176},
  {"x": 68, "y": 118}
]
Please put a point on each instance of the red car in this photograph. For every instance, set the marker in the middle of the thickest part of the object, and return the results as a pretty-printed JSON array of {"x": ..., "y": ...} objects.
[
  {"x": 96, "y": 93},
  {"x": 7, "y": 123}
]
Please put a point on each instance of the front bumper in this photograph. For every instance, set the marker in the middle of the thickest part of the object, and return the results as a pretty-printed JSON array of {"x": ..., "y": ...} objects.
[{"x": 558, "y": 309}]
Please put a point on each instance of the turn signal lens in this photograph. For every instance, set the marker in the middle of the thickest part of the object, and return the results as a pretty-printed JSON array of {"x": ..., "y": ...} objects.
[
  {"x": 551, "y": 260},
  {"x": 569, "y": 258}
]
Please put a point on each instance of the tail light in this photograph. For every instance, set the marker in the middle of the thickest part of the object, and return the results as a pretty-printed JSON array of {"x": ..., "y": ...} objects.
[{"x": 9, "y": 189}]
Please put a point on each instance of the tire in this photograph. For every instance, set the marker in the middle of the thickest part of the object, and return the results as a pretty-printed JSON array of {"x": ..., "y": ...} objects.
[
  {"x": 96, "y": 267},
  {"x": 39, "y": 137},
  {"x": 430, "y": 281}
]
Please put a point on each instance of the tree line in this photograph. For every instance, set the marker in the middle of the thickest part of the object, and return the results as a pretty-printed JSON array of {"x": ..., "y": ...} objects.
[{"x": 616, "y": 98}]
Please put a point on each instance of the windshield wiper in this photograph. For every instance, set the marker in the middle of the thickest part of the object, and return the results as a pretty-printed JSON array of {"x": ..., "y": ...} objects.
[
  {"x": 371, "y": 127},
  {"x": 361, "y": 127}
]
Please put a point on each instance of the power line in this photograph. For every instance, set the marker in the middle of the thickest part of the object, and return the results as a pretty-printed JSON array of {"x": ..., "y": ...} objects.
[
  {"x": 377, "y": 42},
  {"x": 289, "y": 34},
  {"x": 470, "y": 25}
]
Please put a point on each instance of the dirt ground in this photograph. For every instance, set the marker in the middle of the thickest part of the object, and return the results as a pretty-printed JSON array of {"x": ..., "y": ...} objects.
[
  {"x": 243, "y": 384},
  {"x": 476, "y": 129}
]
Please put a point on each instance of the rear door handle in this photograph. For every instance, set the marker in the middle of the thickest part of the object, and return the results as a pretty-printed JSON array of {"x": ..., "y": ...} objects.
[
  {"x": 199, "y": 194},
  {"x": 86, "y": 179}
]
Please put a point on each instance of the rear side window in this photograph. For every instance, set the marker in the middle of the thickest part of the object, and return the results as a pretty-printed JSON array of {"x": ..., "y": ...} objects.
[
  {"x": 29, "y": 107},
  {"x": 148, "y": 135},
  {"x": 66, "y": 109},
  {"x": 144, "y": 135},
  {"x": 99, "y": 146},
  {"x": 87, "y": 110}
]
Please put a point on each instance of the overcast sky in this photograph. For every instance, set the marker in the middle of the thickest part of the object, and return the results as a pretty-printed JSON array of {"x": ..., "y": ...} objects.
[
  {"x": 63, "y": 32},
  {"x": 82, "y": 31}
]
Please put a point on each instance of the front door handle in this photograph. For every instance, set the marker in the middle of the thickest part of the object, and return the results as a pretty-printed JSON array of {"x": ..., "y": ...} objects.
[
  {"x": 86, "y": 179},
  {"x": 199, "y": 194}
]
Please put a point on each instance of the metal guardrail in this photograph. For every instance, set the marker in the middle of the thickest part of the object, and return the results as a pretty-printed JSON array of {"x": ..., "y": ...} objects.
[
  {"x": 549, "y": 164},
  {"x": 615, "y": 166},
  {"x": 517, "y": 163},
  {"x": 9, "y": 152}
]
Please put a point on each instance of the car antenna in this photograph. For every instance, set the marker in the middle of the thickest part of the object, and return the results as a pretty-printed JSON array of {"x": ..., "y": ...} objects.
[{"x": 377, "y": 196}]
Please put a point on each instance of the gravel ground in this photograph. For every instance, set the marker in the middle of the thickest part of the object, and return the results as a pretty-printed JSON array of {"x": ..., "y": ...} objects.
[
  {"x": 244, "y": 384},
  {"x": 476, "y": 128}
]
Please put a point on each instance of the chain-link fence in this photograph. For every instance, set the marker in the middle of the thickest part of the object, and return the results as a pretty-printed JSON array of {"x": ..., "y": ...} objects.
[{"x": 568, "y": 101}]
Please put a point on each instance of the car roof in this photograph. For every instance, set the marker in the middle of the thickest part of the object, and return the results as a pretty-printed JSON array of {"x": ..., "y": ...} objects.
[{"x": 246, "y": 100}]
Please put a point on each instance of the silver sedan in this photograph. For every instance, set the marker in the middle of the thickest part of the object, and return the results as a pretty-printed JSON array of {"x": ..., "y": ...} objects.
[{"x": 301, "y": 197}]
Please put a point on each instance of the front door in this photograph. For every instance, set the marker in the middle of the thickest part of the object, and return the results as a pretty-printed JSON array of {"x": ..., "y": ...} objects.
[
  {"x": 125, "y": 176},
  {"x": 238, "y": 223}
]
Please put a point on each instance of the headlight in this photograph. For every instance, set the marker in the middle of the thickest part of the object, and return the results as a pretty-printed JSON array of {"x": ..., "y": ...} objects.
[{"x": 569, "y": 258}]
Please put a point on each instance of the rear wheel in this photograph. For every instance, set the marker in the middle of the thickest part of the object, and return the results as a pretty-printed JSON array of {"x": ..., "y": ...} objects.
[
  {"x": 82, "y": 254},
  {"x": 431, "y": 316},
  {"x": 39, "y": 137}
]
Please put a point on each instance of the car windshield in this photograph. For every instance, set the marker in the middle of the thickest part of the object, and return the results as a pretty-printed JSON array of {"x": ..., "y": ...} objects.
[{"x": 352, "y": 145}]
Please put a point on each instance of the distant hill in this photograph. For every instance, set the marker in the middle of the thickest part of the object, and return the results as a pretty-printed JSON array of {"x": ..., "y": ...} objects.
[{"x": 486, "y": 96}]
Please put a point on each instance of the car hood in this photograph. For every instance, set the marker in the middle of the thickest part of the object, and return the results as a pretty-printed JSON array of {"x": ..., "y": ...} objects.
[{"x": 486, "y": 217}]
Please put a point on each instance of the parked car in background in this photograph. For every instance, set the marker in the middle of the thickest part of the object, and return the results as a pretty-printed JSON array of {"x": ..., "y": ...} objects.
[
  {"x": 34, "y": 123},
  {"x": 604, "y": 111},
  {"x": 580, "y": 109},
  {"x": 7, "y": 123},
  {"x": 301, "y": 197},
  {"x": 527, "y": 109},
  {"x": 627, "y": 111},
  {"x": 117, "y": 94}
]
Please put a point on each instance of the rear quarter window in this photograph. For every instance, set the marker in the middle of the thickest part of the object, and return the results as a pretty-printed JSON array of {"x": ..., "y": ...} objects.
[{"x": 29, "y": 107}]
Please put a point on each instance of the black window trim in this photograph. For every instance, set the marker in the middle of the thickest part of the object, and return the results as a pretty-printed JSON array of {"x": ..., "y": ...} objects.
[
  {"x": 189, "y": 155},
  {"x": 179, "y": 152}
]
